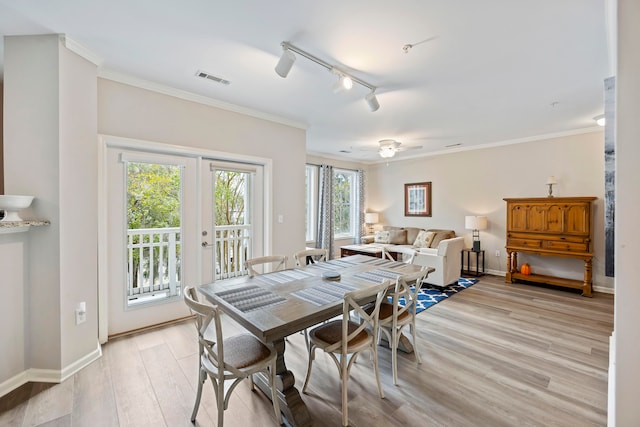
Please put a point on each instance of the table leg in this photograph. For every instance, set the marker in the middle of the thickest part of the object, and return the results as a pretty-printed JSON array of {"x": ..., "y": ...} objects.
[{"x": 291, "y": 404}]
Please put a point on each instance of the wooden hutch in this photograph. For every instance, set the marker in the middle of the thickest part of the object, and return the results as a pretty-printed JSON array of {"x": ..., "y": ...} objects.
[{"x": 550, "y": 226}]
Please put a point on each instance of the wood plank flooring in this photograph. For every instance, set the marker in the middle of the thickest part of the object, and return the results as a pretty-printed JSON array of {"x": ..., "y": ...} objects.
[{"x": 493, "y": 355}]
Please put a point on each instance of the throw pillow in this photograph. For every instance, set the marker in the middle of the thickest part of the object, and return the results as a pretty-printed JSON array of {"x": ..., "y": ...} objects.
[
  {"x": 381, "y": 237},
  {"x": 424, "y": 238},
  {"x": 441, "y": 235},
  {"x": 398, "y": 237}
]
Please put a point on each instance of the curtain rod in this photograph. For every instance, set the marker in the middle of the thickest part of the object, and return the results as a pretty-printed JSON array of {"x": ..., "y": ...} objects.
[{"x": 347, "y": 169}]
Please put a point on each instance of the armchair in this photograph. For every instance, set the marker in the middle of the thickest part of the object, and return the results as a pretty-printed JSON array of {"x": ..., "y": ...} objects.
[{"x": 445, "y": 259}]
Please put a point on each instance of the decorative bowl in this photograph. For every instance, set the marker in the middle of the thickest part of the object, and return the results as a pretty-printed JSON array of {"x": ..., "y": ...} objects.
[{"x": 11, "y": 204}]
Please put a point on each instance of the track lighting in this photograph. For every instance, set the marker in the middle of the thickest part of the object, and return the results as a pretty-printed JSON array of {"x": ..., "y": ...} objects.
[
  {"x": 346, "y": 81},
  {"x": 285, "y": 63},
  {"x": 600, "y": 120},
  {"x": 372, "y": 101}
]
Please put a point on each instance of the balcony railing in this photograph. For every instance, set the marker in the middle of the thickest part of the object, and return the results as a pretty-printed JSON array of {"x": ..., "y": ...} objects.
[
  {"x": 154, "y": 259},
  {"x": 153, "y": 263},
  {"x": 232, "y": 250}
]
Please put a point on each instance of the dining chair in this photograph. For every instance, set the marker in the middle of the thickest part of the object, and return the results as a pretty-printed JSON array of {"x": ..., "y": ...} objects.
[
  {"x": 394, "y": 316},
  {"x": 314, "y": 255},
  {"x": 274, "y": 262},
  {"x": 228, "y": 359},
  {"x": 408, "y": 254},
  {"x": 344, "y": 339}
]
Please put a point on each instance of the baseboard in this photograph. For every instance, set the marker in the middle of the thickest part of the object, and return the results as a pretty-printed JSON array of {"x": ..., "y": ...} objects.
[{"x": 49, "y": 375}]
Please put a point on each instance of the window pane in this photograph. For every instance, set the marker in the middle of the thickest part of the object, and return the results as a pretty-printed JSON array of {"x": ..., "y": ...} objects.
[
  {"x": 154, "y": 197},
  {"x": 344, "y": 189}
]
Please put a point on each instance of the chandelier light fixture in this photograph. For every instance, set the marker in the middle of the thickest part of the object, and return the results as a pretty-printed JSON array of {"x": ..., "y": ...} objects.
[{"x": 345, "y": 81}]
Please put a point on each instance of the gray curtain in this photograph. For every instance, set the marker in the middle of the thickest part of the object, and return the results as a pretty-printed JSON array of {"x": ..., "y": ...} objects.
[
  {"x": 324, "y": 233},
  {"x": 360, "y": 225}
]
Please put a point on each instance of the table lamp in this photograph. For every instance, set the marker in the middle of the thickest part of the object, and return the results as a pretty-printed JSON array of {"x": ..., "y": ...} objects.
[
  {"x": 475, "y": 223},
  {"x": 371, "y": 218}
]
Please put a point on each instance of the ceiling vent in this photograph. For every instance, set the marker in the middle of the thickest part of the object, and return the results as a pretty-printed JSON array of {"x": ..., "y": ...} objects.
[{"x": 205, "y": 75}]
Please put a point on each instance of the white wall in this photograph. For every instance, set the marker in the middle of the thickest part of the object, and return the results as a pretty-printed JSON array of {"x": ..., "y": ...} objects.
[
  {"x": 51, "y": 153},
  {"x": 626, "y": 351},
  {"x": 476, "y": 181}
]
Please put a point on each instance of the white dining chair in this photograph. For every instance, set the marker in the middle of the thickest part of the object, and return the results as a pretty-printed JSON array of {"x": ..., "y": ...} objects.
[
  {"x": 264, "y": 264},
  {"x": 315, "y": 255}
]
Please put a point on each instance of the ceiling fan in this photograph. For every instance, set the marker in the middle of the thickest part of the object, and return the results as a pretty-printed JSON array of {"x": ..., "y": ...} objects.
[{"x": 389, "y": 147}]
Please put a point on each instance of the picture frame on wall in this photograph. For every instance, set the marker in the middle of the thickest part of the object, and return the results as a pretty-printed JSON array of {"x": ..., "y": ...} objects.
[{"x": 417, "y": 199}]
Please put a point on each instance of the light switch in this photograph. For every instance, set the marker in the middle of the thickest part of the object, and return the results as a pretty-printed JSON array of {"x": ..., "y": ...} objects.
[{"x": 280, "y": 219}]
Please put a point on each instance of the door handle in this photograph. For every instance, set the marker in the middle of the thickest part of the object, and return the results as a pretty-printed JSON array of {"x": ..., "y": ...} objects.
[{"x": 205, "y": 244}]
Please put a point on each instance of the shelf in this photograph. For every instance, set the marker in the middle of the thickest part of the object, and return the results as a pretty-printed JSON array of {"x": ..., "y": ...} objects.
[
  {"x": 21, "y": 226},
  {"x": 549, "y": 280}
]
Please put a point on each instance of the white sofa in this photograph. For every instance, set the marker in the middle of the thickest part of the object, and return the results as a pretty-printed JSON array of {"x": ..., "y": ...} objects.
[{"x": 446, "y": 260}]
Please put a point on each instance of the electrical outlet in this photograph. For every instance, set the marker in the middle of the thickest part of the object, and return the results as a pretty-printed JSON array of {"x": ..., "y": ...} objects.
[
  {"x": 81, "y": 313},
  {"x": 497, "y": 252}
]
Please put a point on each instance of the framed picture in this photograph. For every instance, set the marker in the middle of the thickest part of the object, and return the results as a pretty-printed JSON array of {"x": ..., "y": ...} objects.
[{"x": 417, "y": 199}]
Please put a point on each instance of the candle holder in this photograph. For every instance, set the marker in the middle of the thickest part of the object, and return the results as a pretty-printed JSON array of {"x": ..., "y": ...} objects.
[{"x": 550, "y": 182}]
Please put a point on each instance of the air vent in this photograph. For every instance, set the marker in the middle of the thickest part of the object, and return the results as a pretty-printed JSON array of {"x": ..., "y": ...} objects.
[
  {"x": 345, "y": 151},
  {"x": 205, "y": 75},
  {"x": 452, "y": 145}
]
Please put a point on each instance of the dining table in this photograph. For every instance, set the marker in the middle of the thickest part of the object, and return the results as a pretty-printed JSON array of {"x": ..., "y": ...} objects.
[{"x": 275, "y": 305}]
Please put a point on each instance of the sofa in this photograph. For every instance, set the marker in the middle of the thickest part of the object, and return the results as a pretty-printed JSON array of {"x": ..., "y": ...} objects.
[{"x": 435, "y": 248}]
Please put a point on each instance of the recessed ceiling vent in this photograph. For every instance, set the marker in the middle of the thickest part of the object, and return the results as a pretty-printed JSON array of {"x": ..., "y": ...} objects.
[{"x": 205, "y": 75}]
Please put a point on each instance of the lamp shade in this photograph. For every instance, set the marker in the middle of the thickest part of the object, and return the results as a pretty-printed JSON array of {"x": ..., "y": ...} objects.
[
  {"x": 552, "y": 180},
  {"x": 371, "y": 218},
  {"x": 472, "y": 222}
]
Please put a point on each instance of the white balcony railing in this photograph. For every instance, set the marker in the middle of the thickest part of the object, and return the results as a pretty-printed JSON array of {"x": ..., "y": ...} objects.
[
  {"x": 153, "y": 263},
  {"x": 232, "y": 250},
  {"x": 154, "y": 259}
]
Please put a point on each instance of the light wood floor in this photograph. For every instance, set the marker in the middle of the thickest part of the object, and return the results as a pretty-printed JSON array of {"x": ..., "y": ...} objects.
[{"x": 493, "y": 355}]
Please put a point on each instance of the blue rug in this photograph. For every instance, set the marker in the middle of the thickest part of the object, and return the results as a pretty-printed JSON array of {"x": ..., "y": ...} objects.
[{"x": 431, "y": 295}]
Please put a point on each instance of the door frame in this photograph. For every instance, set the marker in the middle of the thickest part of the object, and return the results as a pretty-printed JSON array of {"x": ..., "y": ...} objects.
[{"x": 110, "y": 141}]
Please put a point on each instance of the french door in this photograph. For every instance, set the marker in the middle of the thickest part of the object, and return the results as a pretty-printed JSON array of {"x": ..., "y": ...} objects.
[
  {"x": 170, "y": 221},
  {"x": 151, "y": 239},
  {"x": 232, "y": 217}
]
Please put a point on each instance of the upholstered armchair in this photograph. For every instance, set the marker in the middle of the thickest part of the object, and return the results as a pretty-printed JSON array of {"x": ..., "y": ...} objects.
[{"x": 445, "y": 259}]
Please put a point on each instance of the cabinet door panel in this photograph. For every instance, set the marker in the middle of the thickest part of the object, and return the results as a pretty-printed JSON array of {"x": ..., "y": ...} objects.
[
  {"x": 518, "y": 218},
  {"x": 537, "y": 218},
  {"x": 578, "y": 219}
]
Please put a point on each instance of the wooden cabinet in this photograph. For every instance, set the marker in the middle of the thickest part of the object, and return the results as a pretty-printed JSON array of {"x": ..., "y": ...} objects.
[{"x": 550, "y": 226}]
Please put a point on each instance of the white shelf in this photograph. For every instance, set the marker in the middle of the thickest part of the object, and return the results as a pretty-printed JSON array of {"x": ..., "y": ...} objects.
[{"x": 21, "y": 226}]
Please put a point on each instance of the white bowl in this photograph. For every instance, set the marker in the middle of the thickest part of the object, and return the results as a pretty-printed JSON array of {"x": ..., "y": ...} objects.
[{"x": 11, "y": 204}]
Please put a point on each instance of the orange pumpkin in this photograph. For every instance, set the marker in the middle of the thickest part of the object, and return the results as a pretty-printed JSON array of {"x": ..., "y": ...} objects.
[{"x": 525, "y": 269}]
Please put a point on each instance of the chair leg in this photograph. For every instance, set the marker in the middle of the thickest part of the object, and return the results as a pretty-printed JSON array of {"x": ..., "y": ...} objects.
[
  {"x": 312, "y": 351},
  {"x": 344, "y": 377},
  {"x": 202, "y": 378},
  {"x": 376, "y": 369},
  {"x": 220, "y": 402},
  {"x": 394, "y": 355},
  {"x": 415, "y": 343},
  {"x": 274, "y": 392}
]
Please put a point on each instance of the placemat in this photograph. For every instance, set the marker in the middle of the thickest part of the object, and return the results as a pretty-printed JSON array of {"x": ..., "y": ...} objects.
[
  {"x": 378, "y": 275},
  {"x": 325, "y": 293},
  {"x": 279, "y": 277},
  {"x": 381, "y": 262},
  {"x": 248, "y": 298},
  {"x": 334, "y": 264}
]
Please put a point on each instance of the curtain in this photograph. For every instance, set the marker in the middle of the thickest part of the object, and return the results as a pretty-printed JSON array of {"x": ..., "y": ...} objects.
[
  {"x": 360, "y": 225},
  {"x": 324, "y": 233}
]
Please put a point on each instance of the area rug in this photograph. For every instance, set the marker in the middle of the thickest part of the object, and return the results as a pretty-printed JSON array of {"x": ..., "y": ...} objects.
[{"x": 431, "y": 295}]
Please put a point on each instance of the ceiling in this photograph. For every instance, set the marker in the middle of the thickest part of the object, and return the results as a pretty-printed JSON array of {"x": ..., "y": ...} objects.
[{"x": 479, "y": 73}]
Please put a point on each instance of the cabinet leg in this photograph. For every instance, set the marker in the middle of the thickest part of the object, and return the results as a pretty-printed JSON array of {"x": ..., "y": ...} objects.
[
  {"x": 510, "y": 259},
  {"x": 586, "y": 286}
]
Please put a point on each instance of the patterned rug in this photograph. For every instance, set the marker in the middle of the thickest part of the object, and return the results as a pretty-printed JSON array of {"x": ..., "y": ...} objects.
[{"x": 431, "y": 295}]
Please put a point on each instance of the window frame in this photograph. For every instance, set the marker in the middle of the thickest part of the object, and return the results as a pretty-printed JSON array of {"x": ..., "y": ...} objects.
[{"x": 353, "y": 203}]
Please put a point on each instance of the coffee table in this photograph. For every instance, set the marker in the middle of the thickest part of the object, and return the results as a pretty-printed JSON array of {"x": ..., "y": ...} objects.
[{"x": 370, "y": 250}]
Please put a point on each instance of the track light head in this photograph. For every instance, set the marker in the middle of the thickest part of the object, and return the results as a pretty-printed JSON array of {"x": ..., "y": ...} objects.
[
  {"x": 346, "y": 82},
  {"x": 285, "y": 63},
  {"x": 372, "y": 101}
]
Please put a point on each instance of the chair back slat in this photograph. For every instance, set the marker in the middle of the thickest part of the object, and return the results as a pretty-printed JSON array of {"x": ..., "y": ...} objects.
[
  {"x": 315, "y": 255},
  {"x": 274, "y": 262}
]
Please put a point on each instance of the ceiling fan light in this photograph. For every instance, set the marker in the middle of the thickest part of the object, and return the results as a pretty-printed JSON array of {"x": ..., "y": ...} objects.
[
  {"x": 387, "y": 152},
  {"x": 373, "y": 103},
  {"x": 285, "y": 63}
]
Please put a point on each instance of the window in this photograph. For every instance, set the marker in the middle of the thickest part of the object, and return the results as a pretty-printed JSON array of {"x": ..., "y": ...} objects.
[
  {"x": 345, "y": 202},
  {"x": 311, "y": 179},
  {"x": 345, "y": 205}
]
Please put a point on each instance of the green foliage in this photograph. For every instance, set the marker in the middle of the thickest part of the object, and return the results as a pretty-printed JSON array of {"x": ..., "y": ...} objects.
[
  {"x": 153, "y": 195},
  {"x": 341, "y": 203},
  {"x": 229, "y": 198}
]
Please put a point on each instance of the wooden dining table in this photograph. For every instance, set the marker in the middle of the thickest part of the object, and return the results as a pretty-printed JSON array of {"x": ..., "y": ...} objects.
[{"x": 275, "y": 305}]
